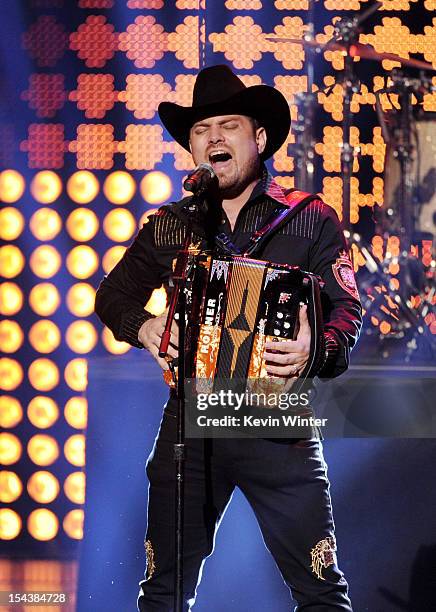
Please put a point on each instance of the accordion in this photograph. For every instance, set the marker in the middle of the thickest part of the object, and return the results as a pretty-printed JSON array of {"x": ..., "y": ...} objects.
[{"x": 235, "y": 305}]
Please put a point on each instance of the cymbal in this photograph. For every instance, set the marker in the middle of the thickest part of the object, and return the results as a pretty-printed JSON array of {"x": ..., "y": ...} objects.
[{"x": 357, "y": 50}]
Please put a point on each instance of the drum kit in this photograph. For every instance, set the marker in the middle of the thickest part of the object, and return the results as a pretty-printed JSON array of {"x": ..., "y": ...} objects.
[{"x": 396, "y": 269}]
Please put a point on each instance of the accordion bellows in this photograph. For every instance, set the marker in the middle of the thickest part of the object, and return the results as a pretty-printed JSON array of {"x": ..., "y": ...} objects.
[{"x": 236, "y": 305}]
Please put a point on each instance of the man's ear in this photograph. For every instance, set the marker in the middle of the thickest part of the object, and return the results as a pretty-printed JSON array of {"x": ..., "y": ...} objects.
[{"x": 261, "y": 138}]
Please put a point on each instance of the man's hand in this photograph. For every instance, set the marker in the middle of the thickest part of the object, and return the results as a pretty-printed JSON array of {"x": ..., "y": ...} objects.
[
  {"x": 289, "y": 357},
  {"x": 150, "y": 335}
]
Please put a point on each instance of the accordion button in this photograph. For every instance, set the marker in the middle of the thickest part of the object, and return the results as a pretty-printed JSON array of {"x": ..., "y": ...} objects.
[
  {"x": 280, "y": 315},
  {"x": 276, "y": 332},
  {"x": 286, "y": 325}
]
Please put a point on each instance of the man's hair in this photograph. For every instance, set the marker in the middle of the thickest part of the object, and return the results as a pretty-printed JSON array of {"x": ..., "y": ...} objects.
[{"x": 255, "y": 123}]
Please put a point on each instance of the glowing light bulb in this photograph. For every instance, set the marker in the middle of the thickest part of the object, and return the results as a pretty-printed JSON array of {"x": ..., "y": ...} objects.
[
  {"x": 156, "y": 187},
  {"x": 74, "y": 450},
  {"x": 73, "y": 523},
  {"x": 44, "y": 336},
  {"x": 10, "y": 487},
  {"x": 43, "y": 374},
  {"x": 76, "y": 374},
  {"x": 157, "y": 302},
  {"x": 42, "y": 524},
  {"x": 46, "y": 186},
  {"x": 119, "y": 187},
  {"x": 43, "y": 487},
  {"x": 11, "y": 336},
  {"x": 80, "y": 299},
  {"x": 112, "y": 257},
  {"x": 45, "y": 224},
  {"x": 11, "y": 299},
  {"x": 114, "y": 346},
  {"x": 44, "y": 299},
  {"x": 145, "y": 217},
  {"x": 10, "y": 448},
  {"x": 11, "y": 223},
  {"x": 82, "y": 261},
  {"x": 45, "y": 261},
  {"x": 76, "y": 412},
  {"x": 43, "y": 449},
  {"x": 83, "y": 187},
  {"x": 74, "y": 487},
  {"x": 81, "y": 337},
  {"x": 11, "y": 374},
  {"x": 10, "y": 524},
  {"x": 42, "y": 411},
  {"x": 82, "y": 224},
  {"x": 12, "y": 186},
  {"x": 119, "y": 225},
  {"x": 11, "y": 261},
  {"x": 11, "y": 411}
]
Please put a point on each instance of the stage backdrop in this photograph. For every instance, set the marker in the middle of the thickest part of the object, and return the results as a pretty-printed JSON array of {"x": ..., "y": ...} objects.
[{"x": 84, "y": 160}]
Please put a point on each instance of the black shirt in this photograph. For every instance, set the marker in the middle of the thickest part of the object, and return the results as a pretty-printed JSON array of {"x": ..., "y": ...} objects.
[{"x": 312, "y": 240}]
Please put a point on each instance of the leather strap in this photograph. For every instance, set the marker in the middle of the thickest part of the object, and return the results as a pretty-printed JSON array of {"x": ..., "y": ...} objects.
[{"x": 297, "y": 200}]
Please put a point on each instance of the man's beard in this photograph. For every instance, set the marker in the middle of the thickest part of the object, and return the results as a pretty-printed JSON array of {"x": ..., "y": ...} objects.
[{"x": 230, "y": 188}]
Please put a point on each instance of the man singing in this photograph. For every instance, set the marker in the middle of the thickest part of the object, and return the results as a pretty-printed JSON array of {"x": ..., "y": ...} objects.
[{"x": 235, "y": 129}]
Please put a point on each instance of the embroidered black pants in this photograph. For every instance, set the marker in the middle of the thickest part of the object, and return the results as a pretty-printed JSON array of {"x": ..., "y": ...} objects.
[{"x": 288, "y": 489}]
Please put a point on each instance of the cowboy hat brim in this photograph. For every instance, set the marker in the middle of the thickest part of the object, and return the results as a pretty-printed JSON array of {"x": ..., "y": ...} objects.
[{"x": 260, "y": 102}]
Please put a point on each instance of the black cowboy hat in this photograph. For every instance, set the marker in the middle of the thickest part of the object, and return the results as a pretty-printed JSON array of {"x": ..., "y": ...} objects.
[{"x": 217, "y": 91}]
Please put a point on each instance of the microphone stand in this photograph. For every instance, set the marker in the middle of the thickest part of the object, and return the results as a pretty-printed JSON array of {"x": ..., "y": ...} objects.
[
  {"x": 347, "y": 34},
  {"x": 178, "y": 302},
  {"x": 304, "y": 147},
  {"x": 404, "y": 154}
]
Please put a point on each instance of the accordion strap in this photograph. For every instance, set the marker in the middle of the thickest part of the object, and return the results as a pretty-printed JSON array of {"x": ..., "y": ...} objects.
[{"x": 297, "y": 200}]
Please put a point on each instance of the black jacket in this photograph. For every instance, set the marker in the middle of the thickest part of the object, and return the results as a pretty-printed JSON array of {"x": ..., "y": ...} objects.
[{"x": 312, "y": 240}]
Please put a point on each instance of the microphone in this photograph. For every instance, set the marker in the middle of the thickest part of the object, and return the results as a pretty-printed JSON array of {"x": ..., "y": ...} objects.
[{"x": 199, "y": 179}]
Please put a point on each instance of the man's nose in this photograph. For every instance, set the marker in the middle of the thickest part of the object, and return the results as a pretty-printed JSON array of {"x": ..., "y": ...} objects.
[{"x": 215, "y": 134}]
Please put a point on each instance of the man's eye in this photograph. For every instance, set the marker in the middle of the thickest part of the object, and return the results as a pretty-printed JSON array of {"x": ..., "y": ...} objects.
[
  {"x": 230, "y": 126},
  {"x": 199, "y": 130}
]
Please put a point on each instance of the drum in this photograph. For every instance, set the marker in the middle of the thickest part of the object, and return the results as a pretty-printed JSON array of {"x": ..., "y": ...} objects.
[{"x": 423, "y": 175}]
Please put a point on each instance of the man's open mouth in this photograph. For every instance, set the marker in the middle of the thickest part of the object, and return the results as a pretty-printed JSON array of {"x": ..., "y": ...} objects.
[{"x": 218, "y": 158}]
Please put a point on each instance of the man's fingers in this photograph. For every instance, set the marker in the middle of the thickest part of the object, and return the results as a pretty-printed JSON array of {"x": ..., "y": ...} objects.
[
  {"x": 285, "y": 371},
  {"x": 163, "y": 364},
  {"x": 155, "y": 353},
  {"x": 304, "y": 321},
  {"x": 284, "y": 346},
  {"x": 175, "y": 333},
  {"x": 172, "y": 351},
  {"x": 174, "y": 339},
  {"x": 155, "y": 345},
  {"x": 152, "y": 340},
  {"x": 279, "y": 358},
  {"x": 171, "y": 348},
  {"x": 151, "y": 334}
]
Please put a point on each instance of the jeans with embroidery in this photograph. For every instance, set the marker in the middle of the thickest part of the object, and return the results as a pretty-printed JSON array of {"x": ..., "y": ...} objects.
[{"x": 287, "y": 487}]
